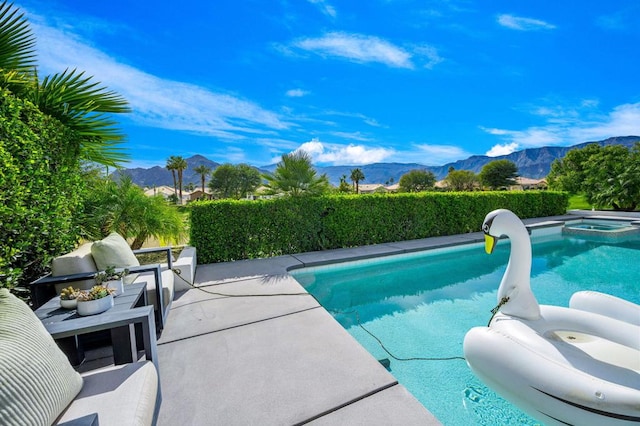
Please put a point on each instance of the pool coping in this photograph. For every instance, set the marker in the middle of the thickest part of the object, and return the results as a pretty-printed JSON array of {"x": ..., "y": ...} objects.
[{"x": 282, "y": 359}]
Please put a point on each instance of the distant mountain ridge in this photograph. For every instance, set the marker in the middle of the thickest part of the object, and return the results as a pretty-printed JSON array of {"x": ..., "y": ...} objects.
[{"x": 533, "y": 163}]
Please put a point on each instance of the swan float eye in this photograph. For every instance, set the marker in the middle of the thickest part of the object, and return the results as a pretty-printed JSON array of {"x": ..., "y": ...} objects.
[{"x": 485, "y": 228}]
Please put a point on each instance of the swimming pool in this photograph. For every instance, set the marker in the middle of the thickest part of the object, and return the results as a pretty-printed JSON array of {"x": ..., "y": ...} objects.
[{"x": 421, "y": 305}]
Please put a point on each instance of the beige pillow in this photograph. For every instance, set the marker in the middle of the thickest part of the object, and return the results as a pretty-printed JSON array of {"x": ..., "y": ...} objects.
[
  {"x": 78, "y": 261},
  {"x": 114, "y": 251},
  {"x": 36, "y": 380}
]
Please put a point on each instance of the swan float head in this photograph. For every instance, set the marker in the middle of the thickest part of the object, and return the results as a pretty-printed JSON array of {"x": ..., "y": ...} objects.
[{"x": 516, "y": 282}]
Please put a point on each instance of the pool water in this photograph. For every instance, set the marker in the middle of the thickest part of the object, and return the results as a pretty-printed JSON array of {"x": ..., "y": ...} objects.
[{"x": 421, "y": 306}]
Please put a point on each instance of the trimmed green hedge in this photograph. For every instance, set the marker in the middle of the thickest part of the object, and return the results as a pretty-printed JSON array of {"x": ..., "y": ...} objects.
[
  {"x": 230, "y": 230},
  {"x": 40, "y": 189}
]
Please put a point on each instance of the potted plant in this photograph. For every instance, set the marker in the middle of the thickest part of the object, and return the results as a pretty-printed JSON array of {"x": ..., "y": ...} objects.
[
  {"x": 112, "y": 279},
  {"x": 94, "y": 301},
  {"x": 68, "y": 297}
]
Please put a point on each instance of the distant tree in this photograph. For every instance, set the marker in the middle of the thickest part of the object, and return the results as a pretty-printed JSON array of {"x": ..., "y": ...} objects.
[
  {"x": 344, "y": 187},
  {"x": 234, "y": 181},
  {"x": 499, "y": 174},
  {"x": 181, "y": 166},
  {"x": 203, "y": 171},
  {"x": 356, "y": 176},
  {"x": 190, "y": 186},
  {"x": 416, "y": 181},
  {"x": 171, "y": 166},
  {"x": 294, "y": 175},
  {"x": 461, "y": 180},
  {"x": 224, "y": 181},
  {"x": 248, "y": 180},
  {"x": 569, "y": 173}
]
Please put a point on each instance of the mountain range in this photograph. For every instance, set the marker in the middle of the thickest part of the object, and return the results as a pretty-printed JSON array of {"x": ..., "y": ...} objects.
[{"x": 533, "y": 163}]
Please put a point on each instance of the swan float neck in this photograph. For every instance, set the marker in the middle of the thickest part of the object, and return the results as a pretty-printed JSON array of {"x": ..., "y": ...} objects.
[{"x": 516, "y": 282}]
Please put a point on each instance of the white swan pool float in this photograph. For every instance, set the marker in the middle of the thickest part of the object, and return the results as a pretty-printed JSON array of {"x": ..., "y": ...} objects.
[{"x": 563, "y": 366}]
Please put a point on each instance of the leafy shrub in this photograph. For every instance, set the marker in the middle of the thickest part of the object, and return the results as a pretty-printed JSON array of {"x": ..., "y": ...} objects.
[
  {"x": 40, "y": 189},
  {"x": 231, "y": 230}
]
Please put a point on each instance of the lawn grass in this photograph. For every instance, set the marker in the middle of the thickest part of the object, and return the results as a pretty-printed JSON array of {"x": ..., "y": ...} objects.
[{"x": 579, "y": 202}]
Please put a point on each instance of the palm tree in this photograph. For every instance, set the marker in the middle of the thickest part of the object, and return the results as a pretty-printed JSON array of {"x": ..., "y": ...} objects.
[
  {"x": 181, "y": 166},
  {"x": 171, "y": 166},
  {"x": 76, "y": 101},
  {"x": 356, "y": 177},
  {"x": 124, "y": 208},
  {"x": 203, "y": 171},
  {"x": 295, "y": 175}
]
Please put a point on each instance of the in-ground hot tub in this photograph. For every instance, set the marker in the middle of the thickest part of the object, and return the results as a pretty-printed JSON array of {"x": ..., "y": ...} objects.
[{"x": 604, "y": 228}]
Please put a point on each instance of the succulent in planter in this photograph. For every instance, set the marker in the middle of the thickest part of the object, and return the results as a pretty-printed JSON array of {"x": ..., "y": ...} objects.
[
  {"x": 69, "y": 293},
  {"x": 110, "y": 274},
  {"x": 68, "y": 297},
  {"x": 96, "y": 292},
  {"x": 96, "y": 300}
]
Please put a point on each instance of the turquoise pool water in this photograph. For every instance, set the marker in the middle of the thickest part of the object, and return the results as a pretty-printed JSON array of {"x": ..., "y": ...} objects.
[{"x": 421, "y": 305}]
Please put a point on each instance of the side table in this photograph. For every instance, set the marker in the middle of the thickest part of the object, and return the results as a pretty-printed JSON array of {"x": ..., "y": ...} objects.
[{"x": 62, "y": 324}]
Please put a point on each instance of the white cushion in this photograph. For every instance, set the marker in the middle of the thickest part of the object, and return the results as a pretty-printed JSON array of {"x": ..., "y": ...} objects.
[
  {"x": 120, "y": 395},
  {"x": 167, "y": 286},
  {"x": 114, "y": 251},
  {"x": 78, "y": 261},
  {"x": 36, "y": 380}
]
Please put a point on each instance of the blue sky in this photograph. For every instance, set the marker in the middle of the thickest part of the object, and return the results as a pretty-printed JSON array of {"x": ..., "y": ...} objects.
[{"x": 352, "y": 82}]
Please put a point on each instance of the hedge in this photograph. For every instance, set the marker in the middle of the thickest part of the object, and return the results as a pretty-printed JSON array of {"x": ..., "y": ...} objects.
[
  {"x": 227, "y": 230},
  {"x": 40, "y": 189}
]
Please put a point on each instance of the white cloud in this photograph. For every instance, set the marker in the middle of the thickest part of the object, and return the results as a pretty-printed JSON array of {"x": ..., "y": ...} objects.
[
  {"x": 523, "y": 24},
  {"x": 365, "y": 48},
  {"x": 356, "y": 136},
  {"x": 533, "y": 137},
  {"x": 155, "y": 101},
  {"x": 571, "y": 128},
  {"x": 505, "y": 149},
  {"x": 344, "y": 154},
  {"x": 431, "y": 54},
  {"x": 624, "y": 120},
  {"x": 297, "y": 93},
  {"x": 438, "y": 154},
  {"x": 325, "y": 7}
]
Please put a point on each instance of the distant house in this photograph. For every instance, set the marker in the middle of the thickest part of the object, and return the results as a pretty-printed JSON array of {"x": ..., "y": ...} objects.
[
  {"x": 199, "y": 195},
  {"x": 393, "y": 188},
  {"x": 524, "y": 184},
  {"x": 370, "y": 188},
  {"x": 165, "y": 191},
  {"x": 441, "y": 184}
]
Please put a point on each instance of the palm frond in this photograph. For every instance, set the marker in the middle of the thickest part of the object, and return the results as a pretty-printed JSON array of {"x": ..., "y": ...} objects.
[
  {"x": 17, "y": 42},
  {"x": 85, "y": 106}
]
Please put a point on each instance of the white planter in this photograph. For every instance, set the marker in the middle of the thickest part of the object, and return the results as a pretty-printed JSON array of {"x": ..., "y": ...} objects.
[
  {"x": 118, "y": 285},
  {"x": 92, "y": 307},
  {"x": 68, "y": 304}
]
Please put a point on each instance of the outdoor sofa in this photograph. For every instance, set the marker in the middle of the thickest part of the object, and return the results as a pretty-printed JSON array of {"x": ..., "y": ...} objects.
[
  {"x": 78, "y": 268},
  {"x": 38, "y": 385}
]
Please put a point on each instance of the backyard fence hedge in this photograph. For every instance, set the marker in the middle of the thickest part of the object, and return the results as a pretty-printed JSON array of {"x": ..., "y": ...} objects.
[
  {"x": 40, "y": 189},
  {"x": 227, "y": 230}
]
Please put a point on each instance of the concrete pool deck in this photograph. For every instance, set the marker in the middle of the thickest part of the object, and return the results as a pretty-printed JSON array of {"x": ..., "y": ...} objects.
[{"x": 250, "y": 346}]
